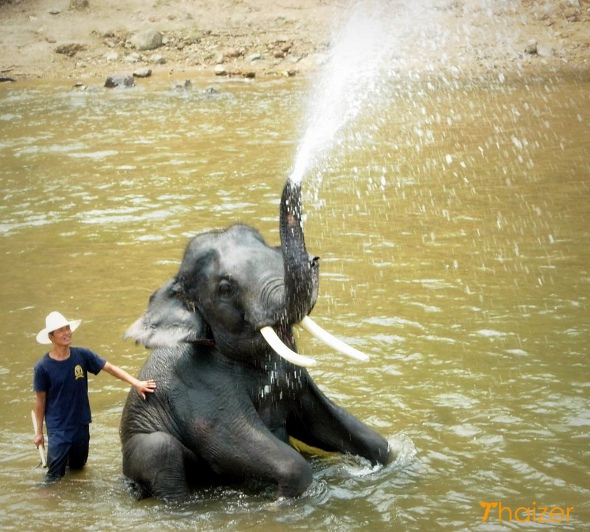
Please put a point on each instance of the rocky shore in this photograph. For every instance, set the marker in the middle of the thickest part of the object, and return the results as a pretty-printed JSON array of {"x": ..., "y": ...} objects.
[{"x": 82, "y": 39}]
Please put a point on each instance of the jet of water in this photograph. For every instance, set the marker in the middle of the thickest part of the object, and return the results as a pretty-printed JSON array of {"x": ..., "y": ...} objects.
[{"x": 349, "y": 79}]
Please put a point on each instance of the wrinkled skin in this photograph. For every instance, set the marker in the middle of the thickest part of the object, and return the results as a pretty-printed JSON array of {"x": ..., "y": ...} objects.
[
  {"x": 301, "y": 278},
  {"x": 226, "y": 403}
]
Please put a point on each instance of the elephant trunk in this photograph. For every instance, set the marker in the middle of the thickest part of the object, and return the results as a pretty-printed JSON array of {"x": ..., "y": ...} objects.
[{"x": 299, "y": 282}]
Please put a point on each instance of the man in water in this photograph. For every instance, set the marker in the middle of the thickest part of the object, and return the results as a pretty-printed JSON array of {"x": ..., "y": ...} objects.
[{"x": 61, "y": 387}]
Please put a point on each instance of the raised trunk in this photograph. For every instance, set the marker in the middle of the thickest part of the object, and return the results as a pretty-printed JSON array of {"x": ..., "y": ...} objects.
[
  {"x": 301, "y": 283},
  {"x": 299, "y": 274}
]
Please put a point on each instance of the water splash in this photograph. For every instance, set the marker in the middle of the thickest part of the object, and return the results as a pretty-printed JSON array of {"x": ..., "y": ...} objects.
[{"x": 349, "y": 79}]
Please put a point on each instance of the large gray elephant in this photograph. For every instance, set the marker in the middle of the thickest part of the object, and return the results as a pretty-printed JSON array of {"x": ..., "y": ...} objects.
[{"x": 232, "y": 390}]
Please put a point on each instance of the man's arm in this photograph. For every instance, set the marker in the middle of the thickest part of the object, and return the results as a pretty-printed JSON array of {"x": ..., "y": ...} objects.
[
  {"x": 141, "y": 386},
  {"x": 40, "y": 399}
]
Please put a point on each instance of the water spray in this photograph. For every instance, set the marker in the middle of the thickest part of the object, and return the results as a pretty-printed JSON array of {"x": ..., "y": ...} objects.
[{"x": 348, "y": 80}]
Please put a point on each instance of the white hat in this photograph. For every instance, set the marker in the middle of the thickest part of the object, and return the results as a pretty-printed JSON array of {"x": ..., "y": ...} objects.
[{"x": 54, "y": 321}]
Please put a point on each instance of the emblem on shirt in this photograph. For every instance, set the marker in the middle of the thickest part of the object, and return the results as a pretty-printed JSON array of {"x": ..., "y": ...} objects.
[{"x": 78, "y": 372}]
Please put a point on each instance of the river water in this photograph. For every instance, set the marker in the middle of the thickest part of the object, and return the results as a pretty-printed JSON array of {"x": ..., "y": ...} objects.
[{"x": 453, "y": 223}]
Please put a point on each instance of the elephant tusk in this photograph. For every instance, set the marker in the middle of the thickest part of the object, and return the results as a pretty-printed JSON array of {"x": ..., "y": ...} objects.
[
  {"x": 283, "y": 351},
  {"x": 315, "y": 330}
]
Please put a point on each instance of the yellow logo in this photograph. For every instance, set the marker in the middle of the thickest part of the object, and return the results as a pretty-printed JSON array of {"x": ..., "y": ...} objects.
[
  {"x": 526, "y": 514},
  {"x": 78, "y": 372}
]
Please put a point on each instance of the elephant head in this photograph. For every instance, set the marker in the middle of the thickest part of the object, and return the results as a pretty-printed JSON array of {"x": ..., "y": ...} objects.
[{"x": 234, "y": 290}]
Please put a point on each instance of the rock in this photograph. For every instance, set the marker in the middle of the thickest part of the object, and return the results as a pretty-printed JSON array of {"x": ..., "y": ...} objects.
[
  {"x": 79, "y": 5},
  {"x": 531, "y": 48},
  {"x": 54, "y": 11},
  {"x": 194, "y": 37},
  {"x": 142, "y": 73},
  {"x": 234, "y": 53},
  {"x": 249, "y": 74},
  {"x": 314, "y": 60},
  {"x": 70, "y": 49},
  {"x": 220, "y": 70},
  {"x": 186, "y": 85},
  {"x": 111, "y": 57},
  {"x": 119, "y": 80},
  {"x": 133, "y": 57},
  {"x": 253, "y": 57},
  {"x": 544, "y": 50},
  {"x": 6, "y": 78},
  {"x": 157, "y": 59},
  {"x": 147, "y": 40}
]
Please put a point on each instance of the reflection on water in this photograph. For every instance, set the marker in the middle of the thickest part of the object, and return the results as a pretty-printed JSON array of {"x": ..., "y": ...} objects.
[{"x": 453, "y": 230}]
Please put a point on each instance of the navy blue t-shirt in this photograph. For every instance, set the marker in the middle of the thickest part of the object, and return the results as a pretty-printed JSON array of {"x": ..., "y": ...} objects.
[{"x": 66, "y": 385}]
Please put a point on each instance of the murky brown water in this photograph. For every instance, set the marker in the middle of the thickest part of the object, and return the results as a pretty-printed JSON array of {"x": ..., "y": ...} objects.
[{"x": 453, "y": 226}]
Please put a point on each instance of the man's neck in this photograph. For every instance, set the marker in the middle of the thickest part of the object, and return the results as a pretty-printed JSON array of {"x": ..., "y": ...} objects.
[{"x": 60, "y": 352}]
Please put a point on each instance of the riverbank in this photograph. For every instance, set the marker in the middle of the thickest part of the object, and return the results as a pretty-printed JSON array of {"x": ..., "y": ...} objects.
[{"x": 83, "y": 39}]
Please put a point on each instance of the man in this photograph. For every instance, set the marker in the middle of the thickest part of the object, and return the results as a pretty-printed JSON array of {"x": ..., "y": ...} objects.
[{"x": 61, "y": 388}]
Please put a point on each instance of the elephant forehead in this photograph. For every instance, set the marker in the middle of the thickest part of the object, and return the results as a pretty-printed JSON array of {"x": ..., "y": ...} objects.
[
  {"x": 247, "y": 257},
  {"x": 238, "y": 239}
]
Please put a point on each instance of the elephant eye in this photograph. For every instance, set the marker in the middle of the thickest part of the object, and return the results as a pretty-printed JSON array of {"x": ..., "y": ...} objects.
[{"x": 225, "y": 289}]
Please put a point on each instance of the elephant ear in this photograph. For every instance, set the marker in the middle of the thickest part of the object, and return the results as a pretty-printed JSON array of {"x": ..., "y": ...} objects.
[{"x": 167, "y": 321}]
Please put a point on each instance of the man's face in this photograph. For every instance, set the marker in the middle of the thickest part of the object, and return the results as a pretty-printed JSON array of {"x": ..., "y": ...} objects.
[{"x": 62, "y": 336}]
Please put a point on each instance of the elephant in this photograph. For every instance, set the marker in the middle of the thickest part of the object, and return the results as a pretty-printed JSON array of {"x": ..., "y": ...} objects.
[{"x": 232, "y": 391}]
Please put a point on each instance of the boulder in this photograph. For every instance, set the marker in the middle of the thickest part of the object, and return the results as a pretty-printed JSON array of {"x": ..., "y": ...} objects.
[
  {"x": 119, "y": 80},
  {"x": 147, "y": 40},
  {"x": 142, "y": 73}
]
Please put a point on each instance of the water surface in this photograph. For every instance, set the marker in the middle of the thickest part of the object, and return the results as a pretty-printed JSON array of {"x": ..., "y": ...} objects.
[{"x": 452, "y": 221}]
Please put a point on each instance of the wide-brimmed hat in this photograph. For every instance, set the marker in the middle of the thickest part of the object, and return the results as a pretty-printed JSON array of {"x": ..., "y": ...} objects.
[{"x": 54, "y": 321}]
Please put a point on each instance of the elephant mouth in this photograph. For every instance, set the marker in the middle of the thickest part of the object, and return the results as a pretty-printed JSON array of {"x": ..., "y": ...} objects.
[{"x": 317, "y": 332}]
